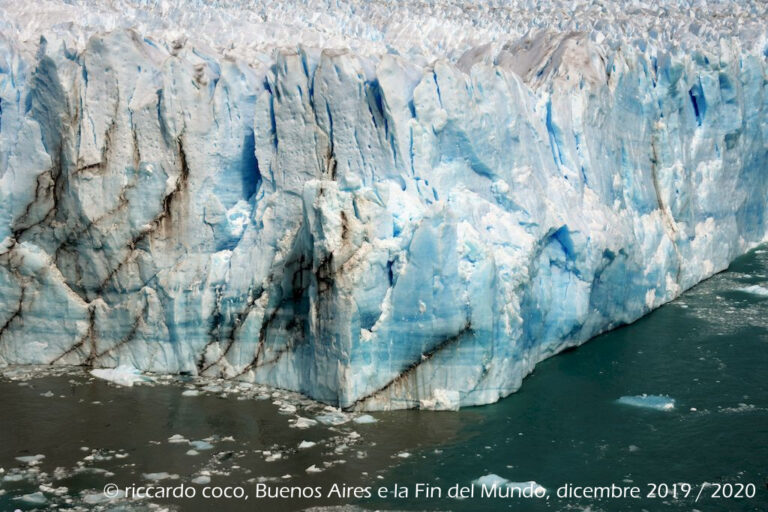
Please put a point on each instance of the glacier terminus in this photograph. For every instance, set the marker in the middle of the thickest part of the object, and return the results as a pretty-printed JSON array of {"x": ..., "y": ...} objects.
[{"x": 379, "y": 204}]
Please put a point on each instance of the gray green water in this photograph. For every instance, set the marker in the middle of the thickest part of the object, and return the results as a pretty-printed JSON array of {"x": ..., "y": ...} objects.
[{"x": 708, "y": 350}]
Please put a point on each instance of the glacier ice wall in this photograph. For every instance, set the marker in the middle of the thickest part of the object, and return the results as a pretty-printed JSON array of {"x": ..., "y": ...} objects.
[{"x": 373, "y": 228}]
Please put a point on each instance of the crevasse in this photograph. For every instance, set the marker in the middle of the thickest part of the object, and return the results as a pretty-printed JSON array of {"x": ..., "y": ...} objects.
[{"x": 375, "y": 230}]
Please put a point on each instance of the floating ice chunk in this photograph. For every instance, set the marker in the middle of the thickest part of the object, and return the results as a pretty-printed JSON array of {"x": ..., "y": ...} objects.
[
  {"x": 490, "y": 481},
  {"x": 742, "y": 407},
  {"x": 306, "y": 444},
  {"x": 35, "y": 498},
  {"x": 123, "y": 375},
  {"x": 271, "y": 457},
  {"x": 160, "y": 476},
  {"x": 193, "y": 452},
  {"x": 286, "y": 408},
  {"x": 535, "y": 488},
  {"x": 190, "y": 392},
  {"x": 177, "y": 438},
  {"x": 97, "y": 498},
  {"x": 313, "y": 469},
  {"x": 201, "y": 480},
  {"x": 201, "y": 445},
  {"x": 658, "y": 402},
  {"x": 47, "y": 394},
  {"x": 493, "y": 480},
  {"x": 365, "y": 419},
  {"x": 95, "y": 471},
  {"x": 31, "y": 460},
  {"x": 755, "y": 289},
  {"x": 403, "y": 455},
  {"x": 333, "y": 418},
  {"x": 302, "y": 422}
]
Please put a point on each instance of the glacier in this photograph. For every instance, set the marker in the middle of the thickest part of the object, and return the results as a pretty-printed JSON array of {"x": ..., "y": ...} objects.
[{"x": 380, "y": 205}]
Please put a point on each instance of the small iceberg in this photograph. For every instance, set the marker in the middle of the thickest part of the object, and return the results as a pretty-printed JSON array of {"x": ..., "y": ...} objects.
[
  {"x": 31, "y": 460},
  {"x": 156, "y": 477},
  {"x": 755, "y": 289},
  {"x": 36, "y": 498},
  {"x": 365, "y": 419},
  {"x": 492, "y": 480},
  {"x": 658, "y": 402},
  {"x": 201, "y": 445},
  {"x": 303, "y": 423},
  {"x": 123, "y": 375},
  {"x": 333, "y": 418}
]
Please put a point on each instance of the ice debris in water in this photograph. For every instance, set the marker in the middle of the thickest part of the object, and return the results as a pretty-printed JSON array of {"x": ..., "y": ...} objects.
[
  {"x": 31, "y": 460},
  {"x": 123, "y": 375},
  {"x": 365, "y": 419},
  {"x": 35, "y": 498},
  {"x": 658, "y": 402},
  {"x": 201, "y": 445},
  {"x": 97, "y": 498},
  {"x": 302, "y": 422},
  {"x": 755, "y": 289},
  {"x": 155, "y": 477},
  {"x": 333, "y": 418},
  {"x": 494, "y": 480}
]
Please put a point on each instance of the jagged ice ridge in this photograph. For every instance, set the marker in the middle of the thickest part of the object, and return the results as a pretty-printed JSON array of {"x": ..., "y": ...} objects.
[{"x": 381, "y": 205}]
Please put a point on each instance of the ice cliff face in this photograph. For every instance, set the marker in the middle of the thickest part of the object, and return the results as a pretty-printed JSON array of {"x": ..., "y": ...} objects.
[{"x": 380, "y": 226}]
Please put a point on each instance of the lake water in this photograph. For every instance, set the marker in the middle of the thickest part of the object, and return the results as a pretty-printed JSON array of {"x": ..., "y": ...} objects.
[{"x": 707, "y": 351}]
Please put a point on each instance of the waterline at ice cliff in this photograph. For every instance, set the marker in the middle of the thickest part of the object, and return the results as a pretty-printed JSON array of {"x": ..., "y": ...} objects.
[{"x": 414, "y": 218}]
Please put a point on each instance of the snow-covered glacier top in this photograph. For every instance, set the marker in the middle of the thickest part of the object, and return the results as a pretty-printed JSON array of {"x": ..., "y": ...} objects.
[{"x": 426, "y": 28}]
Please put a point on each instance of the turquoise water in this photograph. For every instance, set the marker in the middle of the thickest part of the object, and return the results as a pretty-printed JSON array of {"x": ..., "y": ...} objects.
[{"x": 707, "y": 352}]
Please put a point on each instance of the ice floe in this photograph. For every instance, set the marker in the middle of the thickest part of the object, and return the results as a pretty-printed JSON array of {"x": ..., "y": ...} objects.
[
  {"x": 755, "y": 289},
  {"x": 123, "y": 375},
  {"x": 657, "y": 402}
]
